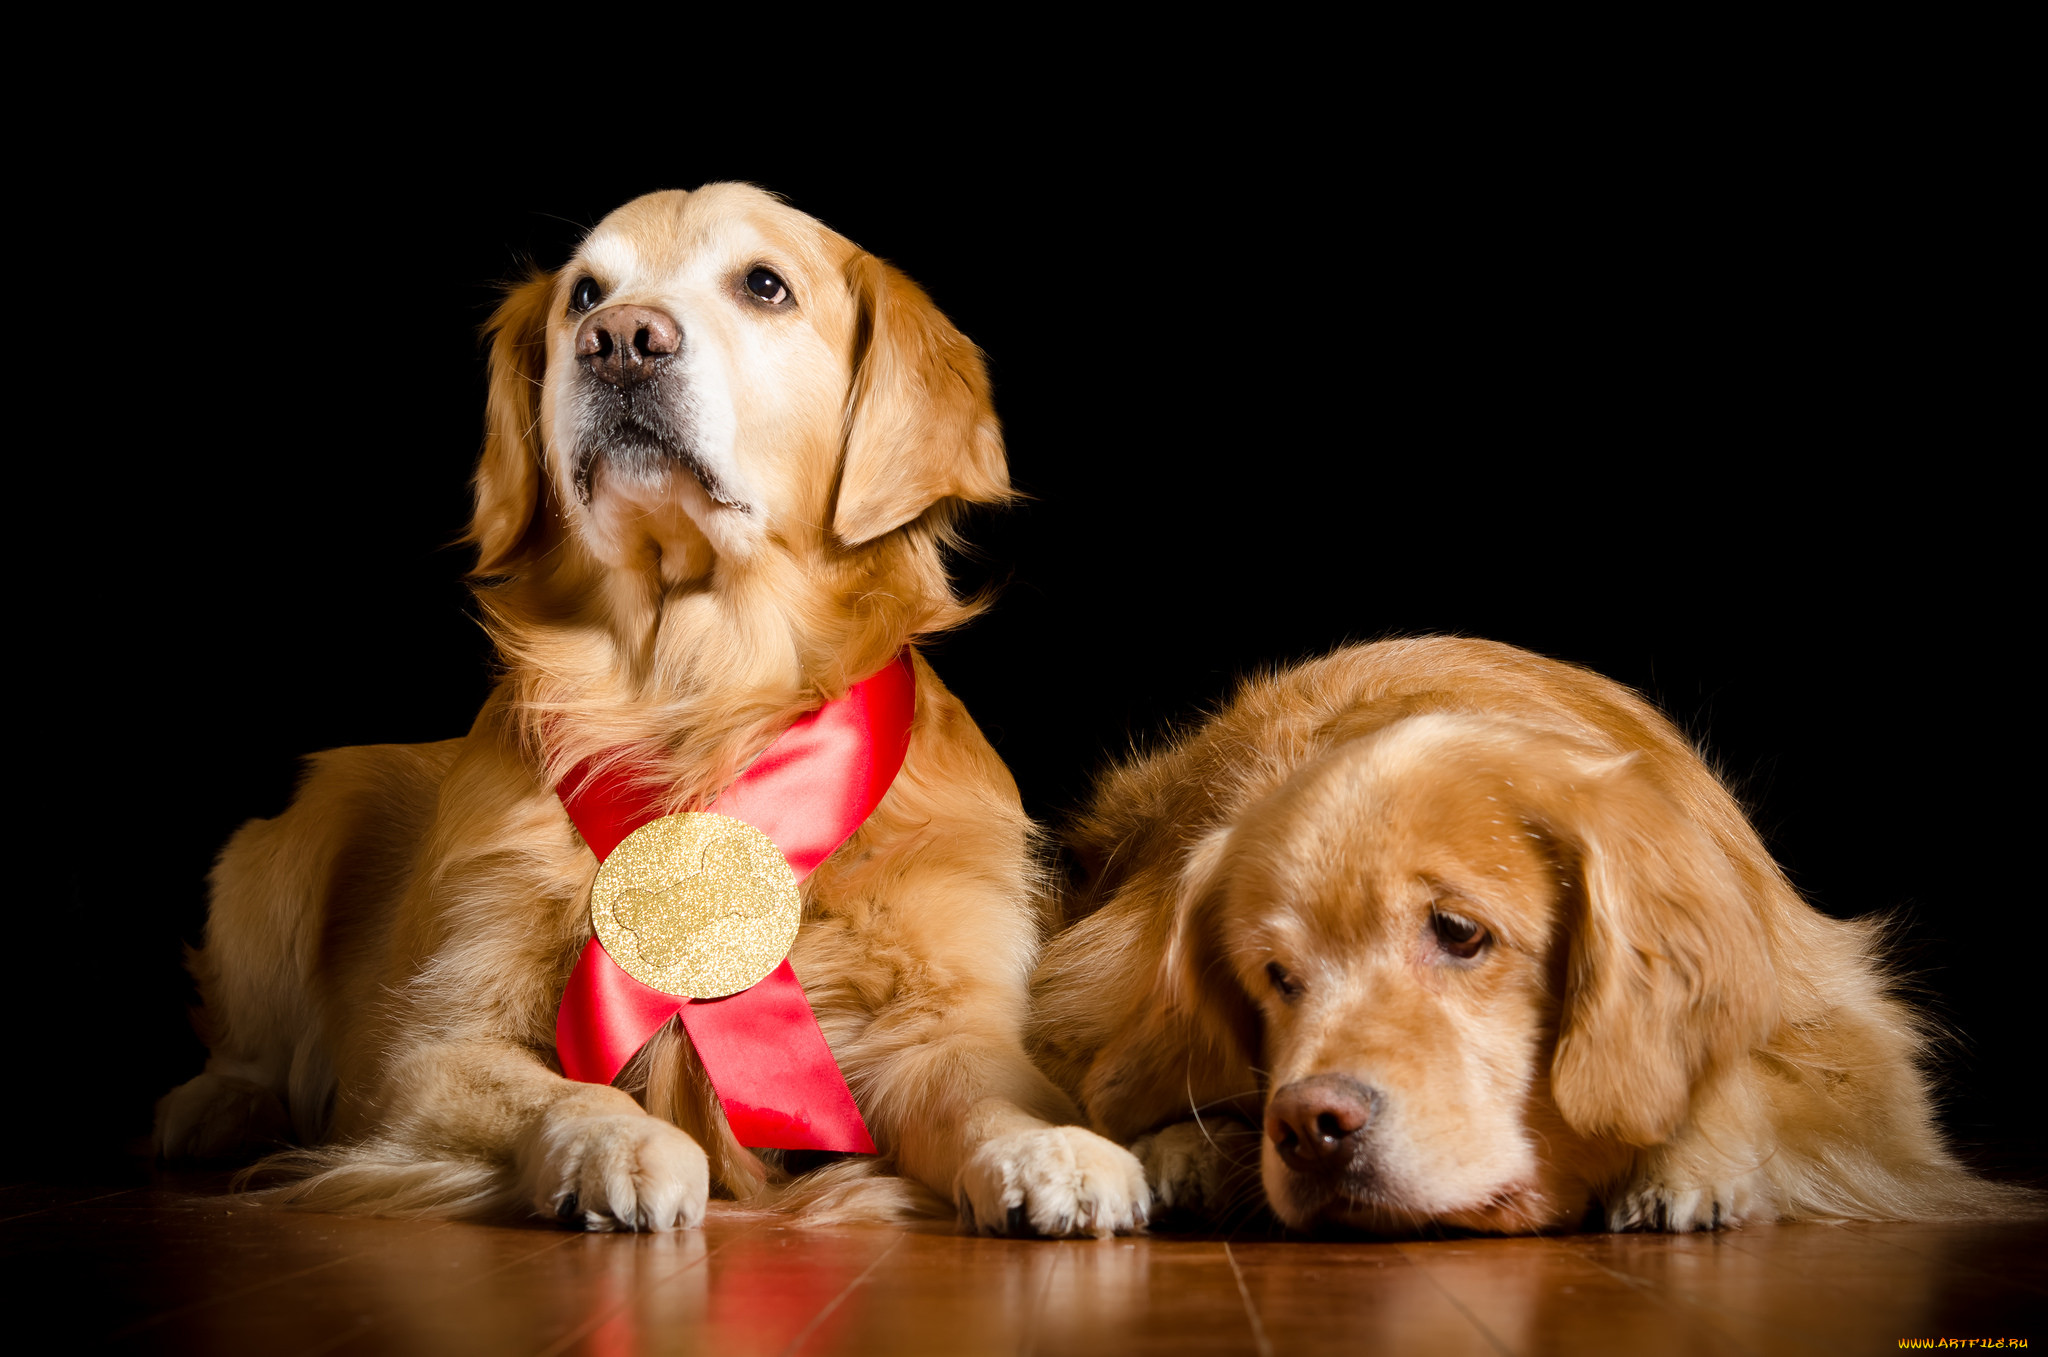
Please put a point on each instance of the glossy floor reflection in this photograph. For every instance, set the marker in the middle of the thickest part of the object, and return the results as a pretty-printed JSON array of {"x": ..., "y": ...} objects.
[{"x": 176, "y": 1266}]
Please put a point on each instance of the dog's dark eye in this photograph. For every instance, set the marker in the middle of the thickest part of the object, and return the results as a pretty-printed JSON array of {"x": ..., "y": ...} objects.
[
  {"x": 1457, "y": 934},
  {"x": 1284, "y": 983},
  {"x": 764, "y": 283},
  {"x": 586, "y": 295}
]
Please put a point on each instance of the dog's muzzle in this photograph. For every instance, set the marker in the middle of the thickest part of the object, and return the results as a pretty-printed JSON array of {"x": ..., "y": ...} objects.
[
  {"x": 1318, "y": 1125},
  {"x": 634, "y": 410},
  {"x": 1321, "y": 1129}
]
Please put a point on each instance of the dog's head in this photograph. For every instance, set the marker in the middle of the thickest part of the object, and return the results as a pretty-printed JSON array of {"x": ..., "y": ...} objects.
[
  {"x": 1479, "y": 962},
  {"x": 714, "y": 373}
]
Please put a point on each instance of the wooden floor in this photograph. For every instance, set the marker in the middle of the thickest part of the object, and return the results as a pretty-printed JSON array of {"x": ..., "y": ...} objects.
[{"x": 176, "y": 1266}]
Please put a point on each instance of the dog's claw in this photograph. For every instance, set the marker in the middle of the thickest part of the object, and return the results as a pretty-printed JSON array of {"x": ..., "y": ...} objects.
[
  {"x": 1052, "y": 1181},
  {"x": 568, "y": 1210}
]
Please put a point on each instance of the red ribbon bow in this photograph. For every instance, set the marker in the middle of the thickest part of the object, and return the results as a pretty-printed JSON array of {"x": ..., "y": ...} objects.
[{"x": 761, "y": 1048}]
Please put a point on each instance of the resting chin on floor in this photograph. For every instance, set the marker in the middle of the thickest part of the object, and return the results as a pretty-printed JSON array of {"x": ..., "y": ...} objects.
[{"x": 1441, "y": 933}]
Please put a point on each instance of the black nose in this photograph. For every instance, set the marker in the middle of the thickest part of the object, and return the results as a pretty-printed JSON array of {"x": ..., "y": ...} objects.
[
  {"x": 1315, "y": 1123},
  {"x": 624, "y": 344}
]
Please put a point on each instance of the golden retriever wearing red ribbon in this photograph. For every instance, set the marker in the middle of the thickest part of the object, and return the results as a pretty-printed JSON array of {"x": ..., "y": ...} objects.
[
  {"x": 1441, "y": 933},
  {"x": 724, "y": 449}
]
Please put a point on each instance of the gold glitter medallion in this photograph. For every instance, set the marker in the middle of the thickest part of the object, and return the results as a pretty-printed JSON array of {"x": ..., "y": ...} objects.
[{"x": 698, "y": 905}]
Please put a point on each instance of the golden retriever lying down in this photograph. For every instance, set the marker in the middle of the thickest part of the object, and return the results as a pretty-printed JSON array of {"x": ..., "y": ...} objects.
[
  {"x": 1439, "y": 932},
  {"x": 725, "y": 447}
]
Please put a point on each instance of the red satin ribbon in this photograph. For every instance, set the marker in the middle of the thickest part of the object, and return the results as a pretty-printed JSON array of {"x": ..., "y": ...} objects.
[{"x": 761, "y": 1048}]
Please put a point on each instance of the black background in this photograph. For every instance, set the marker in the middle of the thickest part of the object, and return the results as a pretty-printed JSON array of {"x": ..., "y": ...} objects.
[{"x": 1719, "y": 402}]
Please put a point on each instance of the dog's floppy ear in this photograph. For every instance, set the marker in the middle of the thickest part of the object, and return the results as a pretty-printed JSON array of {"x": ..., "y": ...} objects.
[
  {"x": 1668, "y": 971},
  {"x": 919, "y": 426},
  {"x": 508, "y": 475},
  {"x": 1201, "y": 981},
  {"x": 1197, "y": 1037},
  {"x": 1174, "y": 1027}
]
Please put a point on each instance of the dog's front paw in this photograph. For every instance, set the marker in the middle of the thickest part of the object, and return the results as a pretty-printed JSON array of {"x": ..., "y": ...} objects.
[
  {"x": 622, "y": 1171},
  {"x": 1653, "y": 1204},
  {"x": 1055, "y": 1180},
  {"x": 1200, "y": 1168},
  {"x": 217, "y": 1117}
]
